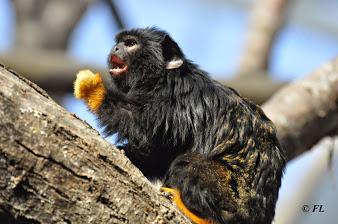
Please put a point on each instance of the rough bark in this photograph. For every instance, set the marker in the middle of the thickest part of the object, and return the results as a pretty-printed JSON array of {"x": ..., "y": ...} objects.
[
  {"x": 54, "y": 168},
  {"x": 305, "y": 111}
]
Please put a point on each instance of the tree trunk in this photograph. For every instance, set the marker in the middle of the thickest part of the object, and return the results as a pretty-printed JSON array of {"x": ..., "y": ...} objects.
[{"x": 54, "y": 168}]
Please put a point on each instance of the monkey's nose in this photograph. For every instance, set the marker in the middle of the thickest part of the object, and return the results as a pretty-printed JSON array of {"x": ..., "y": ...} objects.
[{"x": 116, "y": 48}]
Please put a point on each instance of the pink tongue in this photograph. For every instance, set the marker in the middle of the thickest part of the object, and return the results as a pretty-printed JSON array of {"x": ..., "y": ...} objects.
[{"x": 116, "y": 60}]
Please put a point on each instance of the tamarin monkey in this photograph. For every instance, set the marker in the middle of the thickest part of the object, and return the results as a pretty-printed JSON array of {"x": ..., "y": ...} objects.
[{"x": 216, "y": 152}]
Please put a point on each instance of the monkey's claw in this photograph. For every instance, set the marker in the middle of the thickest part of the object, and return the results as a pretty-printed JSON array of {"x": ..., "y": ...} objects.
[{"x": 168, "y": 192}]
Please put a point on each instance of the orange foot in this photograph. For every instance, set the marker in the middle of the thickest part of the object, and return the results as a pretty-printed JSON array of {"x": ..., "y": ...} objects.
[
  {"x": 89, "y": 87},
  {"x": 176, "y": 197}
]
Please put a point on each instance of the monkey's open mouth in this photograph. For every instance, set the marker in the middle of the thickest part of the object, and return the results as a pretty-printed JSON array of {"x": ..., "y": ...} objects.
[{"x": 118, "y": 66}]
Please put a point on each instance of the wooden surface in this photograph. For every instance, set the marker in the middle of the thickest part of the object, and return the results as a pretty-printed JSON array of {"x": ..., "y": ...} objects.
[{"x": 54, "y": 168}]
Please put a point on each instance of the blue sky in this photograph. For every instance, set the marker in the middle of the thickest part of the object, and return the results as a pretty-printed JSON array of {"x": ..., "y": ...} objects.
[{"x": 212, "y": 35}]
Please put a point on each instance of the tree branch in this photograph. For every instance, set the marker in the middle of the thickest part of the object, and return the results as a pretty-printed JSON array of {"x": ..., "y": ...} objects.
[
  {"x": 305, "y": 111},
  {"x": 116, "y": 14},
  {"x": 51, "y": 70},
  {"x": 55, "y": 168},
  {"x": 258, "y": 88},
  {"x": 47, "y": 24},
  {"x": 266, "y": 19}
]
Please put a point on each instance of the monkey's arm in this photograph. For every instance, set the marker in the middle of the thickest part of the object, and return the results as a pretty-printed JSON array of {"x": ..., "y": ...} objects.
[
  {"x": 102, "y": 96},
  {"x": 93, "y": 89}
]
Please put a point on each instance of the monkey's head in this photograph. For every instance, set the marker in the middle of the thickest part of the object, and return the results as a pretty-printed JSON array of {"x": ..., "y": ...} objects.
[{"x": 143, "y": 52}]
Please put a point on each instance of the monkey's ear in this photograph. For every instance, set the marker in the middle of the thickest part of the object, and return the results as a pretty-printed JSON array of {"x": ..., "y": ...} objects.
[{"x": 172, "y": 54}]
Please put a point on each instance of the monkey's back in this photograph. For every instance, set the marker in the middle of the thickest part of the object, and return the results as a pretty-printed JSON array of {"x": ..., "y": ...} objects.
[{"x": 242, "y": 159}]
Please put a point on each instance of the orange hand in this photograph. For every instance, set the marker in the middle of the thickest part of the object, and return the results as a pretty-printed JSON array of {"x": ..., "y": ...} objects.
[
  {"x": 89, "y": 87},
  {"x": 180, "y": 205}
]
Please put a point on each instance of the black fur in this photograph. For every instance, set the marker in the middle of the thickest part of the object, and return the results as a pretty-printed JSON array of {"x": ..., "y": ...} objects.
[{"x": 217, "y": 148}]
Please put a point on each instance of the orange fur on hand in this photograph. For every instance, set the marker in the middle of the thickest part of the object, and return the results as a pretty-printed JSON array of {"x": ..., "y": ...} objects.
[
  {"x": 89, "y": 87},
  {"x": 180, "y": 205}
]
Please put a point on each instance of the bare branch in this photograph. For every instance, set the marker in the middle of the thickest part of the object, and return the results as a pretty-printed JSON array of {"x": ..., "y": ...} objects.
[
  {"x": 47, "y": 23},
  {"x": 305, "y": 111},
  {"x": 258, "y": 88},
  {"x": 116, "y": 14},
  {"x": 266, "y": 20},
  {"x": 50, "y": 69}
]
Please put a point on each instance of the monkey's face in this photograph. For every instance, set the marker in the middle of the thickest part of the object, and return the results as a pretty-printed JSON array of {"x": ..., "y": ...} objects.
[
  {"x": 140, "y": 52},
  {"x": 121, "y": 55}
]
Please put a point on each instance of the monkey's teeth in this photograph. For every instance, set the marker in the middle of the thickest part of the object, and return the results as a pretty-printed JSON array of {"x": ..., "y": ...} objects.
[
  {"x": 117, "y": 71},
  {"x": 114, "y": 69}
]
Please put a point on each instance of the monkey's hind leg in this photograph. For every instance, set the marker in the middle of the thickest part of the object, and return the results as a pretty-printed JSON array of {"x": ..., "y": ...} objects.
[
  {"x": 200, "y": 188},
  {"x": 89, "y": 87}
]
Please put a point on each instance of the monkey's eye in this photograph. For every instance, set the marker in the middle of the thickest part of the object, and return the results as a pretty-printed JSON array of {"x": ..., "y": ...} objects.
[{"x": 130, "y": 42}]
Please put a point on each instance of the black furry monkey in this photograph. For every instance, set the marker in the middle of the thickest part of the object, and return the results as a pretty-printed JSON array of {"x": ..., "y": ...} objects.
[{"x": 216, "y": 152}]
